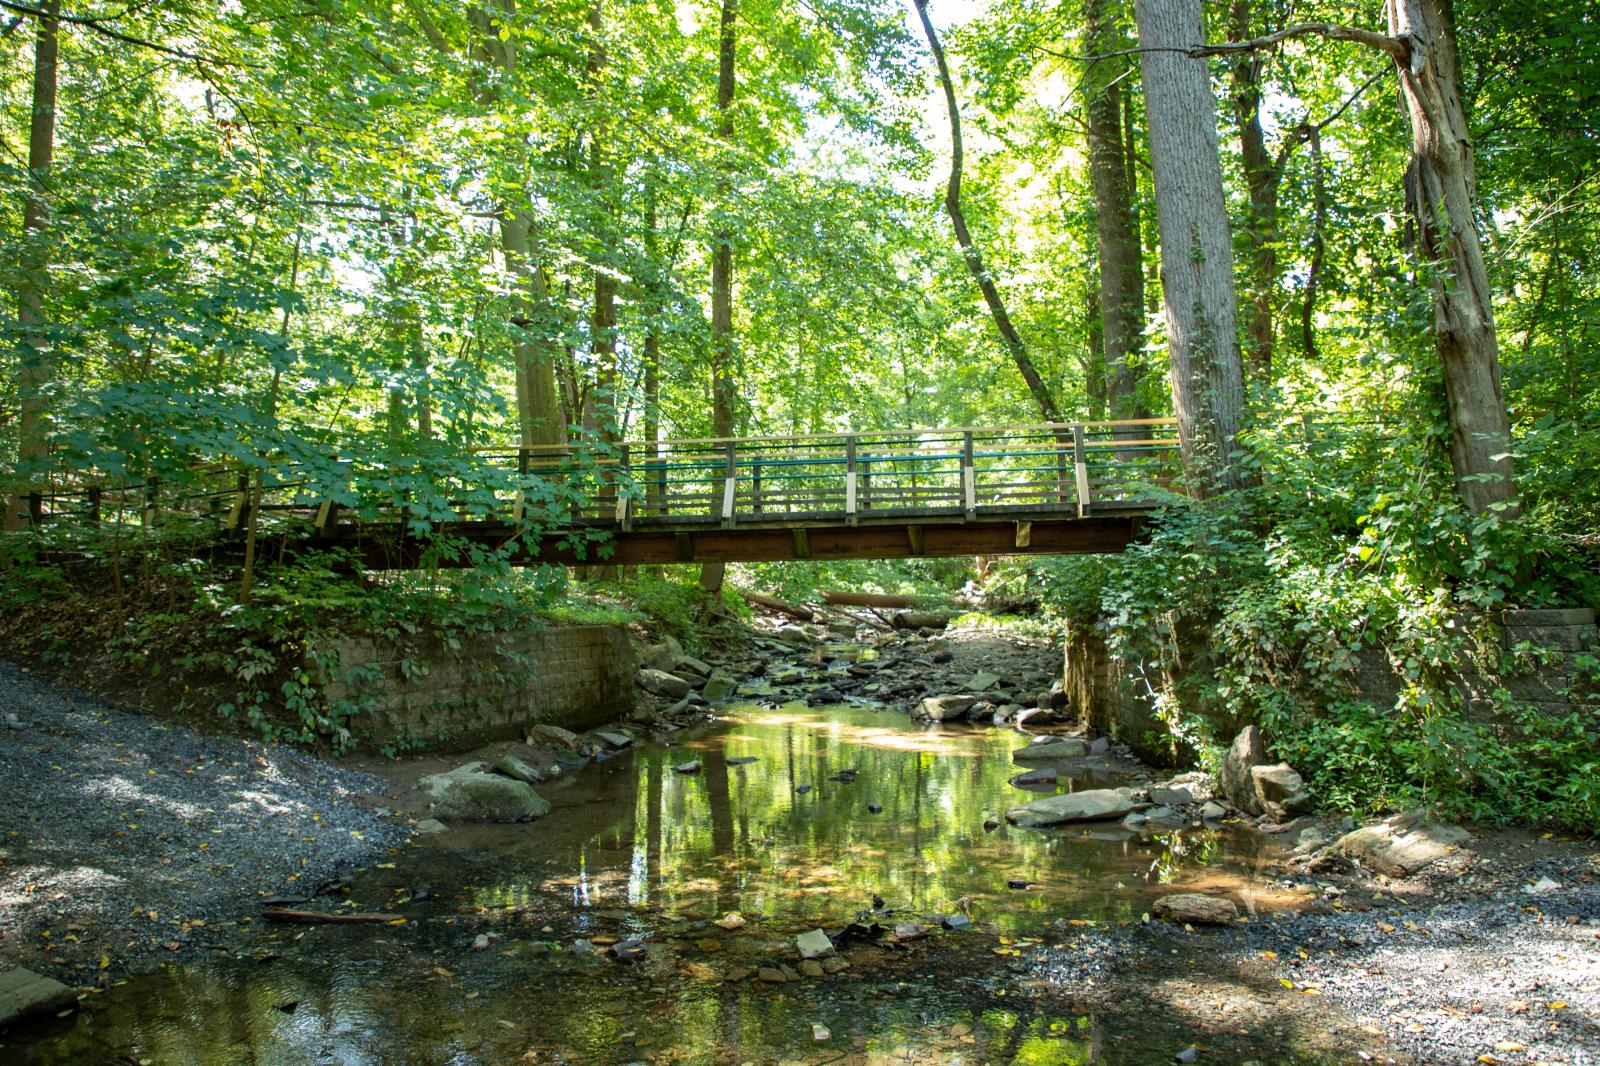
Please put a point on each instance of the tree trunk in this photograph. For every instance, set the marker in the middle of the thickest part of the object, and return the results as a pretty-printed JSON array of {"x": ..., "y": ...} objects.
[
  {"x": 1261, "y": 175},
  {"x": 603, "y": 324},
  {"x": 35, "y": 372},
  {"x": 1441, "y": 199},
  {"x": 538, "y": 409},
  {"x": 652, "y": 346},
  {"x": 1319, "y": 222},
  {"x": 952, "y": 205},
  {"x": 722, "y": 377},
  {"x": 1196, "y": 253},
  {"x": 1116, "y": 225}
]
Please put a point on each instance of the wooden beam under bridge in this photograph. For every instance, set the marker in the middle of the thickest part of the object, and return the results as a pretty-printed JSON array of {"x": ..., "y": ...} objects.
[{"x": 1042, "y": 536}]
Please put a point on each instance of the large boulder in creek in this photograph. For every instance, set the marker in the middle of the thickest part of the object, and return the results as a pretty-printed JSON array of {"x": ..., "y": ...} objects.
[
  {"x": 719, "y": 686},
  {"x": 1091, "y": 805},
  {"x": 943, "y": 708},
  {"x": 1401, "y": 845},
  {"x": 668, "y": 686},
  {"x": 1246, "y": 753},
  {"x": 481, "y": 797},
  {"x": 1193, "y": 908},
  {"x": 1280, "y": 791}
]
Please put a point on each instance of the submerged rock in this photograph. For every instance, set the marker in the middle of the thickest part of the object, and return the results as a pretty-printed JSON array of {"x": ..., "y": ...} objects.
[
  {"x": 24, "y": 993},
  {"x": 1050, "y": 746},
  {"x": 1091, "y": 805}
]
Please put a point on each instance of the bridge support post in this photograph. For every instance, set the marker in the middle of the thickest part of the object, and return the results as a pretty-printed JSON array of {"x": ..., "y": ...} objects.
[
  {"x": 1080, "y": 469},
  {"x": 620, "y": 486},
  {"x": 730, "y": 485},
  {"x": 94, "y": 505},
  {"x": 969, "y": 477},
  {"x": 850, "y": 479}
]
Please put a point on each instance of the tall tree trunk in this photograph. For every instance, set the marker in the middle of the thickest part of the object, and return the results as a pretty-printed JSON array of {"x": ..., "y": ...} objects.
[
  {"x": 722, "y": 351},
  {"x": 1121, "y": 300},
  {"x": 652, "y": 344},
  {"x": 952, "y": 205},
  {"x": 1319, "y": 223},
  {"x": 538, "y": 408},
  {"x": 35, "y": 373},
  {"x": 1442, "y": 201},
  {"x": 722, "y": 378},
  {"x": 1196, "y": 252},
  {"x": 1261, "y": 176},
  {"x": 603, "y": 323}
]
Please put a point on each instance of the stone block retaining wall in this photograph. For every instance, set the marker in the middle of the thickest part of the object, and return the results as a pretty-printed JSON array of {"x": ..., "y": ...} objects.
[
  {"x": 1552, "y": 652},
  {"x": 473, "y": 690}
]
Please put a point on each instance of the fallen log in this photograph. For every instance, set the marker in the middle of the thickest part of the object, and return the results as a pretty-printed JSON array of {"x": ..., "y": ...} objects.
[
  {"x": 772, "y": 603},
  {"x": 867, "y": 599},
  {"x": 326, "y": 917},
  {"x": 921, "y": 620}
]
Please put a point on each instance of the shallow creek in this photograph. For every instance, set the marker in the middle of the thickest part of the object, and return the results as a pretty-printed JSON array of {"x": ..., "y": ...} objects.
[{"x": 634, "y": 849}]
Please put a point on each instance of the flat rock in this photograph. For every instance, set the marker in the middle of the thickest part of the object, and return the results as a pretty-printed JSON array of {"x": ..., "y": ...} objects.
[
  {"x": 982, "y": 681},
  {"x": 514, "y": 768},
  {"x": 1170, "y": 797},
  {"x": 615, "y": 740},
  {"x": 688, "y": 664},
  {"x": 1046, "y": 748},
  {"x": 943, "y": 708},
  {"x": 24, "y": 993},
  {"x": 1039, "y": 775},
  {"x": 479, "y": 797},
  {"x": 437, "y": 785},
  {"x": 430, "y": 826},
  {"x": 1091, "y": 805},
  {"x": 814, "y": 944},
  {"x": 554, "y": 736},
  {"x": 667, "y": 686},
  {"x": 1195, "y": 909},
  {"x": 1401, "y": 845},
  {"x": 687, "y": 767},
  {"x": 1037, "y": 715}
]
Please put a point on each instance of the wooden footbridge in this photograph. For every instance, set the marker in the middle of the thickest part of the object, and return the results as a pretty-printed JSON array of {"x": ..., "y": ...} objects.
[{"x": 1042, "y": 489}]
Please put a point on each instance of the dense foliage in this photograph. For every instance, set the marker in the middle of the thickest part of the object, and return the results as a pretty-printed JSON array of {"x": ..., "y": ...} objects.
[{"x": 347, "y": 234}]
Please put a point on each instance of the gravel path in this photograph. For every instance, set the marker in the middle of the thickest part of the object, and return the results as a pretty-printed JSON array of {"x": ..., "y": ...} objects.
[{"x": 124, "y": 839}]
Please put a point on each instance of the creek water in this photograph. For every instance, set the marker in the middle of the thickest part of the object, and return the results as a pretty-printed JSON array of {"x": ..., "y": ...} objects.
[{"x": 775, "y": 827}]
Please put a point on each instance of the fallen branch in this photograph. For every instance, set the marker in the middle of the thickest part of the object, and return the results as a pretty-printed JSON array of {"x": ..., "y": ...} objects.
[
  {"x": 327, "y": 917},
  {"x": 772, "y": 603}
]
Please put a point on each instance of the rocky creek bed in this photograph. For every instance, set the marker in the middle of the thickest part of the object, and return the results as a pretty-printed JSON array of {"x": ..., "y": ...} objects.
[{"x": 659, "y": 911}]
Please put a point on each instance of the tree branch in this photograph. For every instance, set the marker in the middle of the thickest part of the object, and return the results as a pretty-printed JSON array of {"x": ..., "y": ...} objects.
[
  {"x": 98, "y": 26},
  {"x": 1394, "y": 46}
]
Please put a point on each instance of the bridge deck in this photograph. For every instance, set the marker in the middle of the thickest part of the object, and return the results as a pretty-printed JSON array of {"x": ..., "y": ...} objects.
[{"x": 1078, "y": 487}]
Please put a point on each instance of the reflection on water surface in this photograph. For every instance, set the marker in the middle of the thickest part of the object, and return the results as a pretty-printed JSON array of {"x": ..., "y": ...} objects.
[{"x": 840, "y": 804}]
